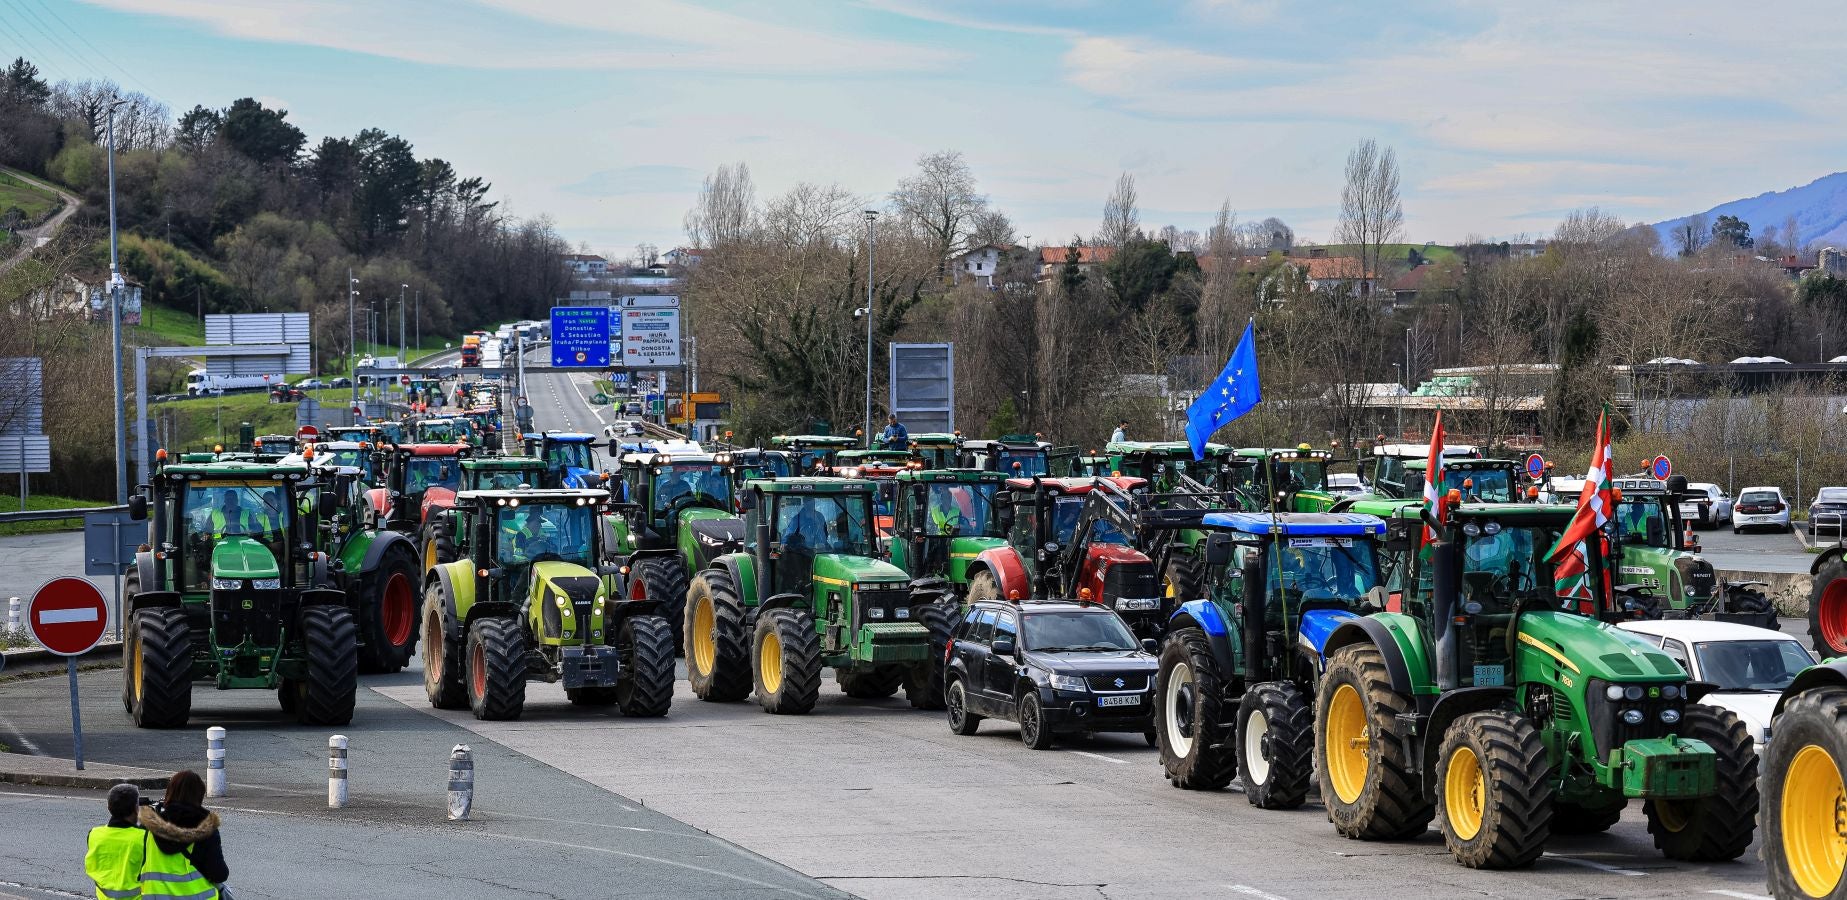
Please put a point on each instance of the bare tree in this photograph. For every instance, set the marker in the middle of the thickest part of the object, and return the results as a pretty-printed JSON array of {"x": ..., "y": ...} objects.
[
  {"x": 1371, "y": 212},
  {"x": 1588, "y": 226},
  {"x": 646, "y": 255},
  {"x": 723, "y": 214},
  {"x": 1792, "y": 235},
  {"x": 1121, "y": 219},
  {"x": 1692, "y": 235},
  {"x": 992, "y": 227},
  {"x": 941, "y": 200},
  {"x": 1268, "y": 235}
]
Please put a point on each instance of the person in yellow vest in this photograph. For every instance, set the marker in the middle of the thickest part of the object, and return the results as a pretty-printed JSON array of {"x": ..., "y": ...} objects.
[
  {"x": 230, "y": 516},
  {"x": 181, "y": 824},
  {"x": 117, "y": 850}
]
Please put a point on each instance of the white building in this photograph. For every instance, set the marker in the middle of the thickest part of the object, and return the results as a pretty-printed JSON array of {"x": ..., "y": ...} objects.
[
  {"x": 978, "y": 263},
  {"x": 586, "y": 264}
]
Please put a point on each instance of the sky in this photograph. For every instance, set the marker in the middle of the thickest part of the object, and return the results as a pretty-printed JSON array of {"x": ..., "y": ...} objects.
[{"x": 605, "y": 115}]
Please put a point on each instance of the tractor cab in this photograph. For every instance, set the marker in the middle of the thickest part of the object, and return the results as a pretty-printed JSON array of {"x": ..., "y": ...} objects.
[
  {"x": 812, "y": 452},
  {"x": 1294, "y": 480},
  {"x": 1055, "y": 550},
  {"x": 501, "y": 473},
  {"x": 360, "y": 434},
  {"x": 570, "y": 458},
  {"x": 1164, "y": 463},
  {"x": 442, "y": 431},
  {"x": 882, "y": 467},
  {"x": 1477, "y": 480},
  {"x": 273, "y": 448},
  {"x": 942, "y": 521},
  {"x": 937, "y": 449},
  {"x": 1660, "y": 557},
  {"x": 1390, "y": 461},
  {"x": 753, "y": 463},
  {"x": 418, "y": 477},
  {"x": 361, "y": 457},
  {"x": 1012, "y": 456},
  {"x": 679, "y": 505}
]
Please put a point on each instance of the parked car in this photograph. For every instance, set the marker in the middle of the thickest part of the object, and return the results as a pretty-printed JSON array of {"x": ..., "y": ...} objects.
[
  {"x": 1829, "y": 511},
  {"x": 311, "y": 384},
  {"x": 1054, "y": 666},
  {"x": 1710, "y": 506},
  {"x": 341, "y": 382},
  {"x": 1345, "y": 484},
  {"x": 1750, "y": 665},
  {"x": 1761, "y": 507}
]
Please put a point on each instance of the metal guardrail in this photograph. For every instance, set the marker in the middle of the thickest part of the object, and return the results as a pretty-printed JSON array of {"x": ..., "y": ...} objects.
[{"x": 53, "y": 515}]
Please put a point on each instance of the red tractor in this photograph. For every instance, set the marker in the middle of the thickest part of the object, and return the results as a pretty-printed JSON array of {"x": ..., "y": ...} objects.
[{"x": 418, "y": 478}]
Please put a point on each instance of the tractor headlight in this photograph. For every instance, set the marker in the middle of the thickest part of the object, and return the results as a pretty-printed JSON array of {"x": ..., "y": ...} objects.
[
  {"x": 267, "y": 584},
  {"x": 1491, "y": 528},
  {"x": 1633, "y": 693},
  {"x": 1068, "y": 683},
  {"x": 901, "y": 613},
  {"x": 1632, "y": 717},
  {"x": 227, "y": 584},
  {"x": 562, "y": 603},
  {"x": 1471, "y": 529},
  {"x": 1670, "y": 691},
  {"x": 1670, "y": 716},
  {"x": 598, "y": 607},
  {"x": 1613, "y": 692},
  {"x": 875, "y": 612}
]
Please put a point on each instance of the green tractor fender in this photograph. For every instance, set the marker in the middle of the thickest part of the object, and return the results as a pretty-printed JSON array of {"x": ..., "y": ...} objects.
[
  {"x": 1832, "y": 673},
  {"x": 742, "y": 569},
  {"x": 367, "y": 549},
  {"x": 147, "y": 569},
  {"x": 1400, "y": 639},
  {"x": 1450, "y": 706}
]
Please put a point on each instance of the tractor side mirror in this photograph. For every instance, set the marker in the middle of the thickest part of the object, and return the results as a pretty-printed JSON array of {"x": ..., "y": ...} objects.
[
  {"x": 1399, "y": 532},
  {"x": 1218, "y": 549},
  {"x": 138, "y": 508},
  {"x": 1003, "y": 647},
  {"x": 1149, "y": 646},
  {"x": 1677, "y": 484}
]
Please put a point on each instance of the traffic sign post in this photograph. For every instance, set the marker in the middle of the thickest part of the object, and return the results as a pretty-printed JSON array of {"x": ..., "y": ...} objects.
[
  {"x": 1535, "y": 465},
  {"x": 67, "y": 616}
]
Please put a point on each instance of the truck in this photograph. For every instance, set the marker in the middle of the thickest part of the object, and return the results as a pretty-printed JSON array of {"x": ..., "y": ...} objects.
[
  {"x": 200, "y": 383},
  {"x": 471, "y": 350}
]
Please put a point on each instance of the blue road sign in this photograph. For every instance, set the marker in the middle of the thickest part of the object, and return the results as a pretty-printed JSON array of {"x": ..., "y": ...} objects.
[
  {"x": 1535, "y": 465},
  {"x": 580, "y": 336},
  {"x": 1661, "y": 467},
  {"x": 619, "y": 379}
]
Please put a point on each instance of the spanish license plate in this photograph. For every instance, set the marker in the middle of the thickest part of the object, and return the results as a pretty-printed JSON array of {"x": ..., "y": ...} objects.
[{"x": 1131, "y": 700}]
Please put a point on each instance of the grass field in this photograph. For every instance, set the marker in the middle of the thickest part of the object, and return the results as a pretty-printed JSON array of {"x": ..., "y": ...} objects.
[
  {"x": 35, "y": 203},
  {"x": 10, "y": 503},
  {"x": 161, "y": 326}
]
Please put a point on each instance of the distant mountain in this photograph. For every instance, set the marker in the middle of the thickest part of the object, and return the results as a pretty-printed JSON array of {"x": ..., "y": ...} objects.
[{"x": 1820, "y": 208}]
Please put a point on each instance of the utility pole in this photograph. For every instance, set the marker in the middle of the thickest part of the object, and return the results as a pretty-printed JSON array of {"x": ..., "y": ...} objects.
[
  {"x": 403, "y": 356},
  {"x": 352, "y": 294},
  {"x": 419, "y": 318},
  {"x": 115, "y": 328},
  {"x": 872, "y": 249}
]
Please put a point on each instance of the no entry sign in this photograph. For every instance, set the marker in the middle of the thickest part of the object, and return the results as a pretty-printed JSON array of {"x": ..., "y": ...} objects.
[{"x": 68, "y": 616}]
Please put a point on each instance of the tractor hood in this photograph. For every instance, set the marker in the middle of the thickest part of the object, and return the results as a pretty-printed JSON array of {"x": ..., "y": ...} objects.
[
  {"x": 1595, "y": 649},
  {"x": 967, "y": 548},
  {"x": 242, "y": 557},
  {"x": 847, "y": 569},
  {"x": 575, "y": 582},
  {"x": 707, "y": 534},
  {"x": 436, "y": 498}
]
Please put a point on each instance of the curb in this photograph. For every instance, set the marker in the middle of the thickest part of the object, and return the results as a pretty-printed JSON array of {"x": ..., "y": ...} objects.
[
  {"x": 105, "y": 648},
  {"x": 79, "y": 779}
]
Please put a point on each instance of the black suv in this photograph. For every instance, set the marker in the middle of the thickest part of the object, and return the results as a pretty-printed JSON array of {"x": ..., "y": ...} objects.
[{"x": 1054, "y": 666}]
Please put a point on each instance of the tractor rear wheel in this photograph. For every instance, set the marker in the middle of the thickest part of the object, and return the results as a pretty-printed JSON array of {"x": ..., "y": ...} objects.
[
  {"x": 1494, "y": 790},
  {"x": 788, "y": 662},
  {"x": 1364, "y": 765},
  {"x": 1189, "y": 715},
  {"x": 439, "y": 542},
  {"x": 923, "y": 686},
  {"x": 645, "y": 644},
  {"x": 443, "y": 668},
  {"x": 717, "y": 644},
  {"x": 496, "y": 668},
  {"x": 1720, "y": 826},
  {"x": 664, "y": 580},
  {"x": 1185, "y": 579},
  {"x": 1570, "y": 818},
  {"x": 872, "y": 684},
  {"x": 388, "y": 596},
  {"x": 1828, "y": 609},
  {"x": 329, "y": 691},
  {"x": 159, "y": 670},
  {"x": 1276, "y": 745},
  {"x": 1803, "y": 848}
]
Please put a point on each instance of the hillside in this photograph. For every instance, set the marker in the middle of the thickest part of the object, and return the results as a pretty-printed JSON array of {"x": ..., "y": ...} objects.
[{"x": 1820, "y": 209}]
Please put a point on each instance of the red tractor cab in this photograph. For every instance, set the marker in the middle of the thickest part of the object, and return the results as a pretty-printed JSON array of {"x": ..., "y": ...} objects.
[
  {"x": 1049, "y": 556},
  {"x": 418, "y": 478}
]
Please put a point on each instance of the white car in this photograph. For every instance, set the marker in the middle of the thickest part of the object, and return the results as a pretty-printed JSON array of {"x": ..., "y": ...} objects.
[
  {"x": 1344, "y": 484},
  {"x": 1761, "y": 507},
  {"x": 1750, "y": 665},
  {"x": 1709, "y": 507}
]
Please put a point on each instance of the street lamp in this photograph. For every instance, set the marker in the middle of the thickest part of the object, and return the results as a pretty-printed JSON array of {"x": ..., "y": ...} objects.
[
  {"x": 1398, "y": 401},
  {"x": 872, "y": 247},
  {"x": 352, "y": 339},
  {"x": 115, "y": 332},
  {"x": 404, "y": 355}
]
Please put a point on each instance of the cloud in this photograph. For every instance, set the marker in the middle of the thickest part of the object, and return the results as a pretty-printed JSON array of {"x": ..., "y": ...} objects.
[
  {"x": 556, "y": 34},
  {"x": 980, "y": 19},
  {"x": 643, "y": 179}
]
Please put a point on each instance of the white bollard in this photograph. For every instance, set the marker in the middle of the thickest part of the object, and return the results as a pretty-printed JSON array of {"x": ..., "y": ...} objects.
[
  {"x": 461, "y": 782},
  {"x": 12, "y": 616},
  {"x": 336, "y": 771},
  {"x": 214, "y": 761}
]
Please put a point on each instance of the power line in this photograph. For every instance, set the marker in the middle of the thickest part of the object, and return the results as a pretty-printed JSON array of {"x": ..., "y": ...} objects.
[
  {"x": 86, "y": 42},
  {"x": 29, "y": 47},
  {"x": 32, "y": 20}
]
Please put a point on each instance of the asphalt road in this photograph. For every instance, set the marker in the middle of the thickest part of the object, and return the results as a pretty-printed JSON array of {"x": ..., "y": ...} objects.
[
  {"x": 1753, "y": 552},
  {"x": 33, "y": 559}
]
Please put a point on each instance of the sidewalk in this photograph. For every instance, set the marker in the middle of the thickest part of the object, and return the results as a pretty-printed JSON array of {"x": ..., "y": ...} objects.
[{"x": 48, "y": 771}]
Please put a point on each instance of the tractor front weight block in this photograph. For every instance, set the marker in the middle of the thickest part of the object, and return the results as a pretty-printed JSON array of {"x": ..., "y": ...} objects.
[
  {"x": 1668, "y": 768},
  {"x": 583, "y": 667},
  {"x": 898, "y": 642}
]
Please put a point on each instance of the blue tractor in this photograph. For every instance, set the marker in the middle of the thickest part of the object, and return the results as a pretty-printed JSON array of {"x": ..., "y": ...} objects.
[{"x": 570, "y": 459}]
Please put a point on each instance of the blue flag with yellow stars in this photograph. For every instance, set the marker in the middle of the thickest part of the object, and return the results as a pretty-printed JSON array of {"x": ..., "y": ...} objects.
[{"x": 1234, "y": 393}]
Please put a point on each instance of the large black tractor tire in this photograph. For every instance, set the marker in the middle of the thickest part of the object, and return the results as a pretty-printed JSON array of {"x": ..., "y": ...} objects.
[
  {"x": 159, "y": 667},
  {"x": 1368, "y": 787},
  {"x": 439, "y": 541},
  {"x": 443, "y": 666},
  {"x": 645, "y": 644},
  {"x": 1718, "y": 827},
  {"x": 664, "y": 579},
  {"x": 1189, "y": 715},
  {"x": 787, "y": 653},
  {"x": 1828, "y": 609},
  {"x": 1185, "y": 579},
  {"x": 1570, "y": 818},
  {"x": 984, "y": 587},
  {"x": 496, "y": 678},
  {"x": 388, "y": 601},
  {"x": 923, "y": 685},
  {"x": 1276, "y": 745},
  {"x": 717, "y": 642},
  {"x": 1494, "y": 790},
  {"x": 1804, "y": 790},
  {"x": 327, "y": 695},
  {"x": 872, "y": 684}
]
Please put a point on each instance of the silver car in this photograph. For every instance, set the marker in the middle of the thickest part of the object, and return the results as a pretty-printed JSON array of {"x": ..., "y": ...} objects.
[
  {"x": 1707, "y": 506},
  {"x": 1828, "y": 512},
  {"x": 1761, "y": 508}
]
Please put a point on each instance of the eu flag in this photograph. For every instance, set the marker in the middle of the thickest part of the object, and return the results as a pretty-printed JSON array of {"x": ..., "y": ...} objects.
[{"x": 1231, "y": 395}]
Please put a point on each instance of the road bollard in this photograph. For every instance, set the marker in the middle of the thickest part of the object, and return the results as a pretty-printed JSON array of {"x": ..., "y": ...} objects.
[
  {"x": 336, "y": 771},
  {"x": 214, "y": 761},
  {"x": 461, "y": 782},
  {"x": 12, "y": 616}
]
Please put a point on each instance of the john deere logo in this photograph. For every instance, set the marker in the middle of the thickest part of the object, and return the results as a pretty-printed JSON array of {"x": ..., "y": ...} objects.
[{"x": 1120, "y": 683}]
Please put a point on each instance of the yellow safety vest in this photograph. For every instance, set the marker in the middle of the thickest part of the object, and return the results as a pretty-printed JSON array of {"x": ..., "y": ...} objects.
[
  {"x": 172, "y": 875},
  {"x": 114, "y": 861},
  {"x": 944, "y": 518},
  {"x": 248, "y": 520}
]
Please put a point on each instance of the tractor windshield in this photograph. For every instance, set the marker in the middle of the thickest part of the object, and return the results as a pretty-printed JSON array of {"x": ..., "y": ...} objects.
[
  {"x": 1022, "y": 463},
  {"x": 1480, "y": 485},
  {"x": 502, "y": 479},
  {"x": 1322, "y": 568},
  {"x": 961, "y": 510},
  {"x": 767, "y": 467},
  {"x": 833, "y": 523},
  {"x": 1644, "y": 520},
  {"x": 696, "y": 483},
  {"x": 937, "y": 457},
  {"x": 214, "y": 511},
  {"x": 436, "y": 433},
  {"x": 353, "y": 457},
  {"x": 424, "y": 472},
  {"x": 563, "y": 455},
  {"x": 1508, "y": 564},
  {"x": 540, "y": 532},
  {"x": 1065, "y": 514},
  {"x": 1300, "y": 475}
]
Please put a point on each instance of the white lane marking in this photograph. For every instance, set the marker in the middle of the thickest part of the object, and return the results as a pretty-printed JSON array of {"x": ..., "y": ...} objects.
[
  {"x": 1741, "y": 895},
  {"x": 42, "y": 890},
  {"x": 1593, "y": 864},
  {"x": 1120, "y": 762},
  {"x": 1249, "y": 891},
  {"x": 62, "y": 616},
  {"x": 24, "y": 741},
  {"x": 642, "y": 856}
]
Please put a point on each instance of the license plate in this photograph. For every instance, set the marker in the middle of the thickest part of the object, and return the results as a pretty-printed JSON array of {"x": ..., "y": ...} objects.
[{"x": 1131, "y": 700}]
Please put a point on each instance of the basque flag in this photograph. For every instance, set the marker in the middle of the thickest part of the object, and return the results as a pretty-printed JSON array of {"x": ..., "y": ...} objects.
[{"x": 1235, "y": 392}]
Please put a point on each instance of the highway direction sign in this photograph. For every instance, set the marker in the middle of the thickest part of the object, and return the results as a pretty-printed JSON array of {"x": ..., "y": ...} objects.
[{"x": 580, "y": 337}]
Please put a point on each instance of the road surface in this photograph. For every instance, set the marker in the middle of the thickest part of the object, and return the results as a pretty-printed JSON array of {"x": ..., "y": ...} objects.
[
  {"x": 33, "y": 238},
  {"x": 1754, "y": 552}
]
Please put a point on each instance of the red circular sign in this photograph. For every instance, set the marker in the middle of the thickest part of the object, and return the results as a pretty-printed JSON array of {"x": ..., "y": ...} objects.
[{"x": 68, "y": 615}]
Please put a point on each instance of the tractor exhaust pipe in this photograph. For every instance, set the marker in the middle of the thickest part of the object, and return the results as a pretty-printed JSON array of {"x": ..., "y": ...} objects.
[
  {"x": 1446, "y": 590},
  {"x": 763, "y": 544}
]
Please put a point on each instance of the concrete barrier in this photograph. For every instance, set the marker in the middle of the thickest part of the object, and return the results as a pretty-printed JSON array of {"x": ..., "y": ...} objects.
[{"x": 1787, "y": 591}]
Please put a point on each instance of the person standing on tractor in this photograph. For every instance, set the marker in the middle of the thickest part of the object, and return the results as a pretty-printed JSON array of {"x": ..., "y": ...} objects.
[
  {"x": 1121, "y": 433},
  {"x": 895, "y": 436}
]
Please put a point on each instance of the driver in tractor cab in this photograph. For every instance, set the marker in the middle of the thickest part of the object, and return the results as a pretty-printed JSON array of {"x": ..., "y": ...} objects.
[
  {"x": 1314, "y": 574},
  {"x": 807, "y": 531},
  {"x": 230, "y": 516},
  {"x": 1487, "y": 560},
  {"x": 946, "y": 510}
]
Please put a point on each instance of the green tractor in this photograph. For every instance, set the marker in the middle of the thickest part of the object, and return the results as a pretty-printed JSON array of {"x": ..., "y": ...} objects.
[
  {"x": 679, "y": 516},
  {"x": 1236, "y": 686},
  {"x": 231, "y": 592},
  {"x": 1477, "y": 480},
  {"x": 806, "y": 592},
  {"x": 1387, "y": 469},
  {"x": 530, "y": 599},
  {"x": 1222, "y": 480},
  {"x": 1660, "y": 558},
  {"x": 1017, "y": 456},
  {"x": 937, "y": 449},
  {"x": 1293, "y": 480},
  {"x": 813, "y": 452},
  {"x": 379, "y": 569},
  {"x": 942, "y": 522},
  {"x": 484, "y": 473},
  {"x": 1486, "y": 700}
]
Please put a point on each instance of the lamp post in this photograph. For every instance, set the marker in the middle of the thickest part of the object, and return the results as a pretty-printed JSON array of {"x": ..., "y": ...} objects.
[
  {"x": 115, "y": 329},
  {"x": 1398, "y": 401},
  {"x": 872, "y": 248},
  {"x": 352, "y": 339},
  {"x": 404, "y": 355},
  {"x": 419, "y": 318}
]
